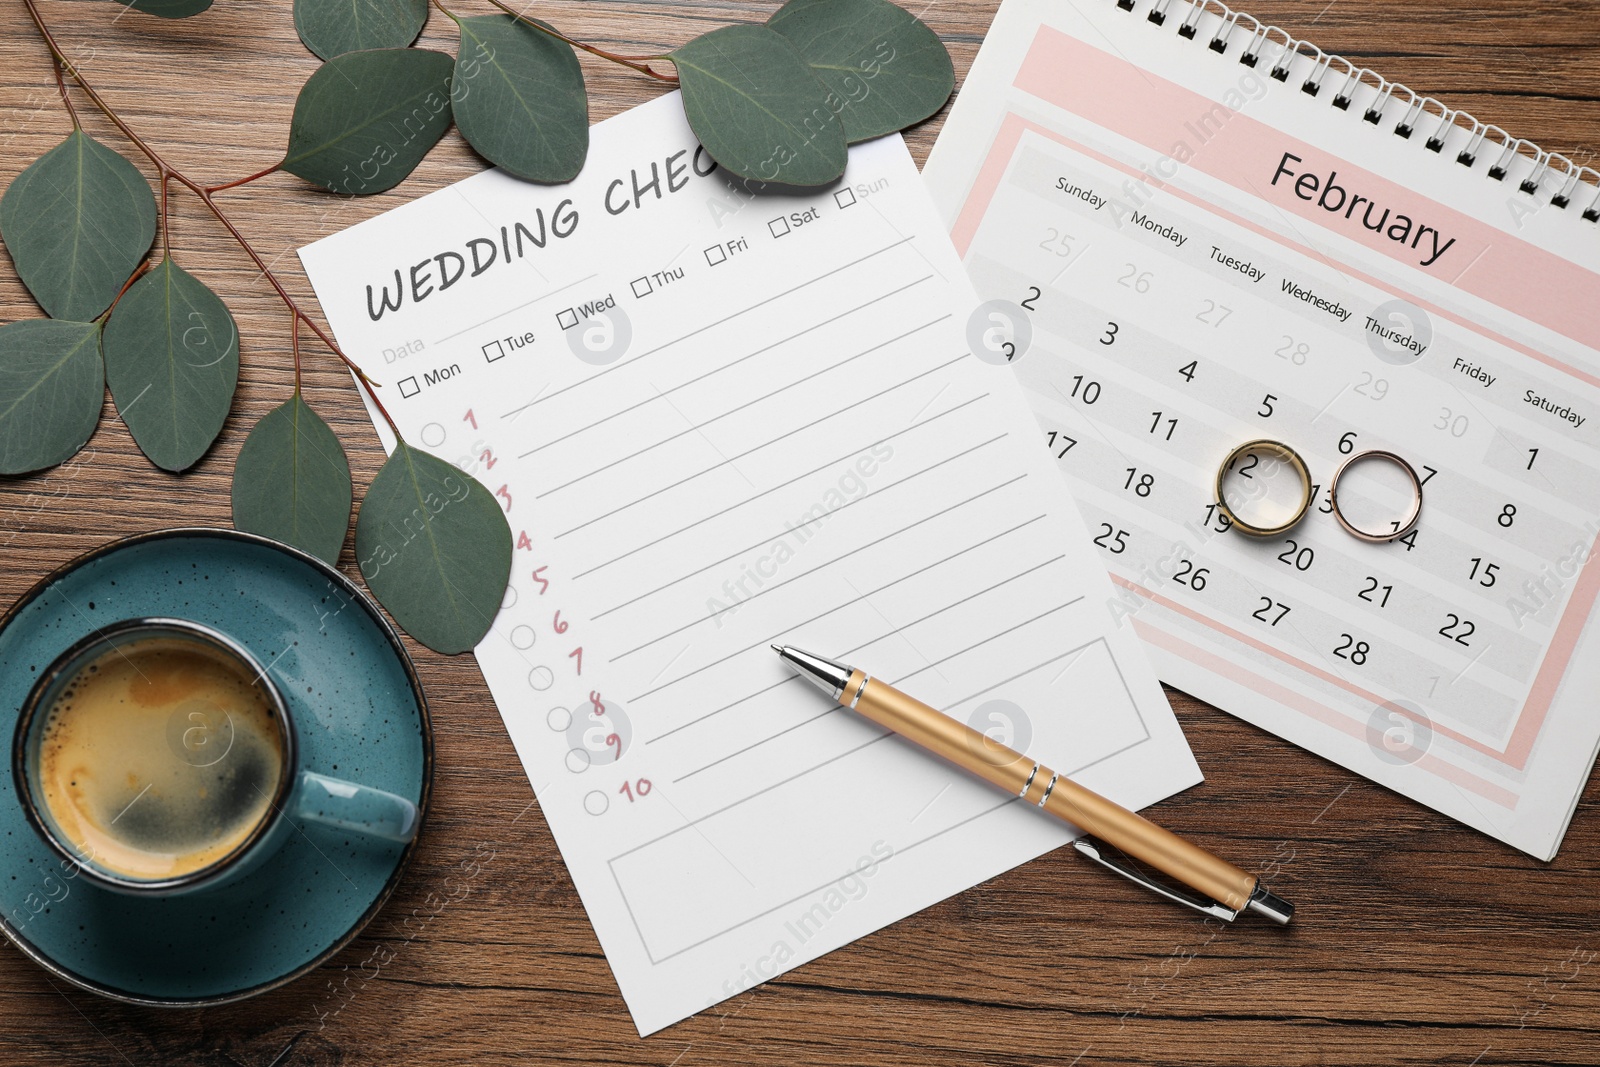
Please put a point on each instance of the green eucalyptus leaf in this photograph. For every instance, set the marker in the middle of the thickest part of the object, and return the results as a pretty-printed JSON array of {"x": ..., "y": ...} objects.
[
  {"x": 168, "y": 9},
  {"x": 758, "y": 109},
  {"x": 333, "y": 27},
  {"x": 51, "y": 388},
  {"x": 364, "y": 120},
  {"x": 77, "y": 221},
  {"x": 885, "y": 67},
  {"x": 172, "y": 361},
  {"x": 292, "y": 481},
  {"x": 435, "y": 549},
  {"x": 519, "y": 99}
]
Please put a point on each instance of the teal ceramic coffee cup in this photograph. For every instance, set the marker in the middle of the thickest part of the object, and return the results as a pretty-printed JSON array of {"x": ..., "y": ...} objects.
[{"x": 159, "y": 756}]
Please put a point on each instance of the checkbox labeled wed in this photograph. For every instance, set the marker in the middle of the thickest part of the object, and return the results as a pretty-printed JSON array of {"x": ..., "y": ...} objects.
[{"x": 567, "y": 319}]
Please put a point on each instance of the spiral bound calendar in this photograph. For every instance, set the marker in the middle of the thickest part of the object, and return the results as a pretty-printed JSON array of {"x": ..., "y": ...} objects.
[{"x": 1195, "y": 230}]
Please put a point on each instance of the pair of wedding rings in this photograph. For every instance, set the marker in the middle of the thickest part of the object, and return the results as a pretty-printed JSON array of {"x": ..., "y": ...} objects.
[{"x": 1289, "y": 455}]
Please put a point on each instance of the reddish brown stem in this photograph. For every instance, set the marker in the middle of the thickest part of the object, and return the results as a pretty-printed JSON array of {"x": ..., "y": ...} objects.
[
  {"x": 166, "y": 220},
  {"x": 61, "y": 85},
  {"x": 166, "y": 171},
  {"x": 242, "y": 181},
  {"x": 638, "y": 63},
  {"x": 138, "y": 273},
  {"x": 294, "y": 347}
]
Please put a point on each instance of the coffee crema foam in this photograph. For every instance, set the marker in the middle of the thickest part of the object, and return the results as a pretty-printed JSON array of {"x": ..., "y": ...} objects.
[{"x": 159, "y": 758}]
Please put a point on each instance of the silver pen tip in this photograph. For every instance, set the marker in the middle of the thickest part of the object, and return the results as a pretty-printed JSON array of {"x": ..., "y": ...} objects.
[{"x": 826, "y": 675}]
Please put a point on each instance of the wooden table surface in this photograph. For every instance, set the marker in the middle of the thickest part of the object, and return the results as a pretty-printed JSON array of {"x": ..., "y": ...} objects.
[{"x": 1416, "y": 941}]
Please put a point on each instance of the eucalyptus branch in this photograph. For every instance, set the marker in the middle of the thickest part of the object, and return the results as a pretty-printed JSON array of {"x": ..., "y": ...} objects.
[
  {"x": 363, "y": 122},
  {"x": 166, "y": 171},
  {"x": 638, "y": 63}
]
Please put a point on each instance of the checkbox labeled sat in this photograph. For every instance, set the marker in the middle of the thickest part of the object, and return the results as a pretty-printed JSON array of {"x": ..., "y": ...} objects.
[
  {"x": 409, "y": 387},
  {"x": 567, "y": 319},
  {"x": 642, "y": 287},
  {"x": 844, "y": 197},
  {"x": 716, "y": 254},
  {"x": 779, "y": 226}
]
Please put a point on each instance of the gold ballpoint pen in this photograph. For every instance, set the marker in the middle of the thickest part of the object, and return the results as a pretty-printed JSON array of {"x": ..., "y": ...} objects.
[{"x": 1228, "y": 889}]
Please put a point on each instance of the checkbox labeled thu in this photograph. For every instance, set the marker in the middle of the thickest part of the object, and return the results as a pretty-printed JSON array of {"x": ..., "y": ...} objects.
[{"x": 642, "y": 287}]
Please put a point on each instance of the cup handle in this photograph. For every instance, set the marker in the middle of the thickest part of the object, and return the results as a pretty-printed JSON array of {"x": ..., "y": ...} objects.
[{"x": 359, "y": 808}]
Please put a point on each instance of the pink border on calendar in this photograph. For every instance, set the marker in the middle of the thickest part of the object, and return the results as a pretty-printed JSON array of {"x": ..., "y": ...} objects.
[
  {"x": 1305, "y": 705},
  {"x": 1142, "y": 106}
]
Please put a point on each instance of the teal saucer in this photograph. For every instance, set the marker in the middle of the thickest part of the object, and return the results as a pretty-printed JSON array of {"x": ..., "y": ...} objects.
[{"x": 362, "y": 717}]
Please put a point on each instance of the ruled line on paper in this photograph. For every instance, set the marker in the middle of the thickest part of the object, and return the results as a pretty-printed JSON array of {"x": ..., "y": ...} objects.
[
  {"x": 695, "y": 427},
  {"x": 702, "y": 329},
  {"x": 768, "y": 539},
  {"x": 919, "y": 570},
  {"x": 719, "y": 368},
  {"x": 815, "y": 470},
  {"x": 865, "y": 644},
  {"x": 837, "y": 559},
  {"x": 835, "y": 707}
]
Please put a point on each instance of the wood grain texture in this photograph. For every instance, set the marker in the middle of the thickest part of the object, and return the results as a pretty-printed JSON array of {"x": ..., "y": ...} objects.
[{"x": 1417, "y": 941}]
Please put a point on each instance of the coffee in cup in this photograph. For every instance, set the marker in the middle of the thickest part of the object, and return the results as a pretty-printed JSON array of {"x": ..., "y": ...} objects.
[{"x": 160, "y": 757}]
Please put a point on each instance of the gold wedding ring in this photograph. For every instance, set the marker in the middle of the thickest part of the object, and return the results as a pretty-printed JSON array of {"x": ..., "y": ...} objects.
[
  {"x": 1282, "y": 451},
  {"x": 1400, "y": 528}
]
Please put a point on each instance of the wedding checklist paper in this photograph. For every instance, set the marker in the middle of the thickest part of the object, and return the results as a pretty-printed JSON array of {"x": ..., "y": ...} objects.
[{"x": 718, "y": 420}]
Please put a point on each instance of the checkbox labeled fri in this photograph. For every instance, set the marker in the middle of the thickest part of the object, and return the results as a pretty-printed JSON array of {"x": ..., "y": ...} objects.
[
  {"x": 716, "y": 254},
  {"x": 567, "y": 319}
]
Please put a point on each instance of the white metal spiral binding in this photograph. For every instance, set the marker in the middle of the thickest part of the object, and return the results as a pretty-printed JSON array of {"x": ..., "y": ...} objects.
[{"x": 1287, "y": 57}]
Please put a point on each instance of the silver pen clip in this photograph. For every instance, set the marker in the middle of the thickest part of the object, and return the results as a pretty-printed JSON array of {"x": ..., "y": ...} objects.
[
  {"x": 1262, "y": 900},
  {"x": 1096, "y": 851}
]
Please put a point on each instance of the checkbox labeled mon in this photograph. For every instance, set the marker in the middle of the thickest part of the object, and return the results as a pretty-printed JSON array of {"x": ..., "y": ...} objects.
[{"x": 409, "y": 386}]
